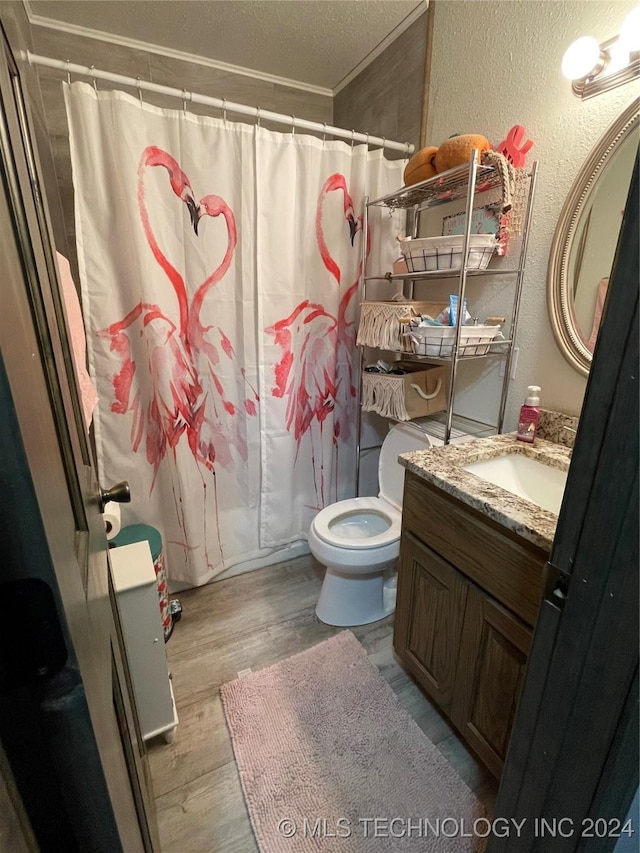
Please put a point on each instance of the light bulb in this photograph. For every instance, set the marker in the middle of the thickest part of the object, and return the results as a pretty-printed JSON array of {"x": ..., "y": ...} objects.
[
  {"x": 630, "y": 31},
  {"x": 581, "y": 58}
]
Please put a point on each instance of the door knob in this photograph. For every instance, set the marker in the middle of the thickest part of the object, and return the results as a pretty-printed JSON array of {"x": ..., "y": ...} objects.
[{"x": 120, "y": 494}]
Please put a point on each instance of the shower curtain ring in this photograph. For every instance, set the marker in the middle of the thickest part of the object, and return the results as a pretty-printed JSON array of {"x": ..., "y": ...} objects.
[
  {"x": 92, "y": 69},
  {"x": 257, "y": 117},
  {"x": 353, "y": 133},
  {"x": 367, "y": 141},
  {"x": 184, "y": 101},
  {"x": 224, "y": 110},
  {"x": 324, "y": 133},
  {"x": 139, "y": 85},
  {"x": 67, "y": 63},
  {"x": 293, "y": 125},
  {"x": 384, "y": 142}
]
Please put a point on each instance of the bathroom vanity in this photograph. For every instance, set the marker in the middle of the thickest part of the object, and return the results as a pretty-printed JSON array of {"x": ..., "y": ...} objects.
[{"x": 470, "y": 580}]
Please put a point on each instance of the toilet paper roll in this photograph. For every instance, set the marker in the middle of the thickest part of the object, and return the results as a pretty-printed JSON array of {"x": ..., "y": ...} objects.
[{"x": 112, "y": 520}]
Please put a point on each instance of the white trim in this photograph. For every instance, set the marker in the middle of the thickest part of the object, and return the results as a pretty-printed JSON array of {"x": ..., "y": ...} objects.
[
  {"x": 397, "y": 31},
  {"x": 135, "y": 44}
]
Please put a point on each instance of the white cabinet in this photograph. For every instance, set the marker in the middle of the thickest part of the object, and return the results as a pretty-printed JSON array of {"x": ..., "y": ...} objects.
[{"x": 134, "y": 582}]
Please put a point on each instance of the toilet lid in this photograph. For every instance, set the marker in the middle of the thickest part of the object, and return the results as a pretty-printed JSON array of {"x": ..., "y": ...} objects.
[{"x": 402, "y": 438}]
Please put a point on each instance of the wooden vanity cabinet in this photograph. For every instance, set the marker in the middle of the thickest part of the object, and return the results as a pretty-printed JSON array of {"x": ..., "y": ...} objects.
[
  {"x": 491, "y": 662},
  {"x": 468, "y": 596},
  {"x": 430, "y": 608}
]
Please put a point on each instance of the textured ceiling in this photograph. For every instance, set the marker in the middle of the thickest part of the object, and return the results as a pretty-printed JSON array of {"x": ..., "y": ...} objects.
[{"x": 314, "y": 41}]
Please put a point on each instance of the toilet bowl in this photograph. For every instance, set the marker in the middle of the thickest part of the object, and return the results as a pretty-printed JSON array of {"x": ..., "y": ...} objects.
[{"x": 358, "y": 540}]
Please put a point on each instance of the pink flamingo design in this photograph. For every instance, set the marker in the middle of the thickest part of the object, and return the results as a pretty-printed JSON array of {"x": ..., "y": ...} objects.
[
  {"x": 315, "y": 372},
  {"x": 181, "y": 393}
]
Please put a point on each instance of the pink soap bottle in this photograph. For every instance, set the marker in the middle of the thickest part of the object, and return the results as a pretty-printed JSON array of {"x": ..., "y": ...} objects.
[{"x": 529, "y": 415}]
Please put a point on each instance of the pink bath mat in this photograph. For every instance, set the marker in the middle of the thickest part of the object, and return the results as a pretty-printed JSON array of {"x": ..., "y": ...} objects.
[{"x": 329, "y": 761}]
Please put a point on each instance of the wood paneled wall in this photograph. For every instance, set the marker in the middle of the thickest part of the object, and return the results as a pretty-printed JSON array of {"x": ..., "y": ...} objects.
[
  {"x": 386, "y": 98},
  {"x": 19, "y": 34}
]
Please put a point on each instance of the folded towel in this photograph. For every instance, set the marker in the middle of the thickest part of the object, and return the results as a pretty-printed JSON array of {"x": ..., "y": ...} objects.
[{"x": 75, "y": 328}]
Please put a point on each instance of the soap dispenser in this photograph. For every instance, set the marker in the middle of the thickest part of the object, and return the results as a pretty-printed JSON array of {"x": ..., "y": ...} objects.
[{"x": 529, "y": 415}]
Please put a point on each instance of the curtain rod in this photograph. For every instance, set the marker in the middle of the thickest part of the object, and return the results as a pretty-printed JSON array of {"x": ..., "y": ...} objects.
[{"x": 218, "y": 103}]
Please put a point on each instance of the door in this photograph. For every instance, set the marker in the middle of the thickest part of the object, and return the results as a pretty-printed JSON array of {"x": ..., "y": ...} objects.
[
  {"x": 574, "y": 746},
  {"x": 491, "y": 666},
  {"x": 429, "y": 614},
  {"x": 15, "y": 832},
  {"x": 57, "y": 495}
]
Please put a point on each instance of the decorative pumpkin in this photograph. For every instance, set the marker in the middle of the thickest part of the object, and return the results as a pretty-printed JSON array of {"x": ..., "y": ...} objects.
[
  {"x": 421, "y": 166},
  {"x": 457, "y": 150}
]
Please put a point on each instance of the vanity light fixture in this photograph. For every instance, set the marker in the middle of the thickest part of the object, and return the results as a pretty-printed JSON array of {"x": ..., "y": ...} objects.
[{"x": 594, "y": 68}]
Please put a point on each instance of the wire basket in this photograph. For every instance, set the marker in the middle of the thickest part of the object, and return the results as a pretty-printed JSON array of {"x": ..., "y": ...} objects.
[
  {"x": 438, "y": 341},
  {"x": 428, "y": 254}
]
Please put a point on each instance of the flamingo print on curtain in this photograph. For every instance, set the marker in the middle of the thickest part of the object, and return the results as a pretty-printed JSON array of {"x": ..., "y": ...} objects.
[
  {"x": 308, "y": 287},
  {"x": 316, "y": 372},
  {"x": 219, "y": 267},
  {"x": 184, "y": 395}
]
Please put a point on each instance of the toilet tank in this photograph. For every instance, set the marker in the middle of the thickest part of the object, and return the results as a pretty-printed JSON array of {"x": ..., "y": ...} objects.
[{"x": 402, "y": 438}]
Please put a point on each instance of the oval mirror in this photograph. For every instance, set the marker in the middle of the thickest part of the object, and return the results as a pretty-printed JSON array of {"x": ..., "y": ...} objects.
[{"x": 586, "y": 237}]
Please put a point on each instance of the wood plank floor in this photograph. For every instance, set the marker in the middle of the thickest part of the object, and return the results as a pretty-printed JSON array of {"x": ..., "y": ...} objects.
[{"x": 249, "y": 622}]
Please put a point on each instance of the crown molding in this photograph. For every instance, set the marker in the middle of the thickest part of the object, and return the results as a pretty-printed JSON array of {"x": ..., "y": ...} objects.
[
  {"x": 397, "y": 31},
  {"x": 135, "y": 44}
]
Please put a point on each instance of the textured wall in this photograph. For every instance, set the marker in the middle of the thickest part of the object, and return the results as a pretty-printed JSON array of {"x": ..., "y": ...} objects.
[
  {"x": 386, "y": 98},
  {"x": 496, "y": 64}
]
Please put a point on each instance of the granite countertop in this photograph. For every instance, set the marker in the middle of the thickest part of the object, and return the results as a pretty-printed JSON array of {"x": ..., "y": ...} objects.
[{"x": 443, "y": 467}]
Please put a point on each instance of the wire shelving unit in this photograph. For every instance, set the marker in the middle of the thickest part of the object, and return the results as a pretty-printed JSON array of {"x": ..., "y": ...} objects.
[{"x": 467, "y": 181}]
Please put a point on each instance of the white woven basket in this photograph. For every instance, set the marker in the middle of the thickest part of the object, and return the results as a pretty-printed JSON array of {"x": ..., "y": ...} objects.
[
  {"x": 437, "y": 341},
  {"x": 380, "y": 325},
  {"x": 428, "y": 254}
]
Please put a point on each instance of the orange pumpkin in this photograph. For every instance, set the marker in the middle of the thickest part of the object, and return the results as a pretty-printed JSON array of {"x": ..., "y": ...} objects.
[
  {"x": 421, "y": 166},
  {"x": 457, "y": 150}
]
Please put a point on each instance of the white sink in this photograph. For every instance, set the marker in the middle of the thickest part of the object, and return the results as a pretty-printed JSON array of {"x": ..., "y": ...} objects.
[{"x": 525, "y": 477}]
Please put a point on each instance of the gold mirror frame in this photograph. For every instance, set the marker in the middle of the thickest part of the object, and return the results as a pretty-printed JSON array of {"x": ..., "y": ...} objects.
[{"x": 561, "y": 314}]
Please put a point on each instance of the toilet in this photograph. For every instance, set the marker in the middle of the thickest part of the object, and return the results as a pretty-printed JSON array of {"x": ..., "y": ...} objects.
[{"x": 359, "y": 539}]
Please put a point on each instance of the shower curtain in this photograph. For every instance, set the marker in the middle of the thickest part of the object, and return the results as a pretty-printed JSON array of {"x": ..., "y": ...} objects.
[{"x": 219, "y": 266}]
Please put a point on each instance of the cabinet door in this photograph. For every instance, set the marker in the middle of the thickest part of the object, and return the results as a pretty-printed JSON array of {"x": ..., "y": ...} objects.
[
  {"x": 491, "y": 666},
  {"x": 429, "y": 616}
]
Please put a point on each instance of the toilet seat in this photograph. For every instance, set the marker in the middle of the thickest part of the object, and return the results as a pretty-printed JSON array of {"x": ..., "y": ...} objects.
[{"x": 358, "y": 524}]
